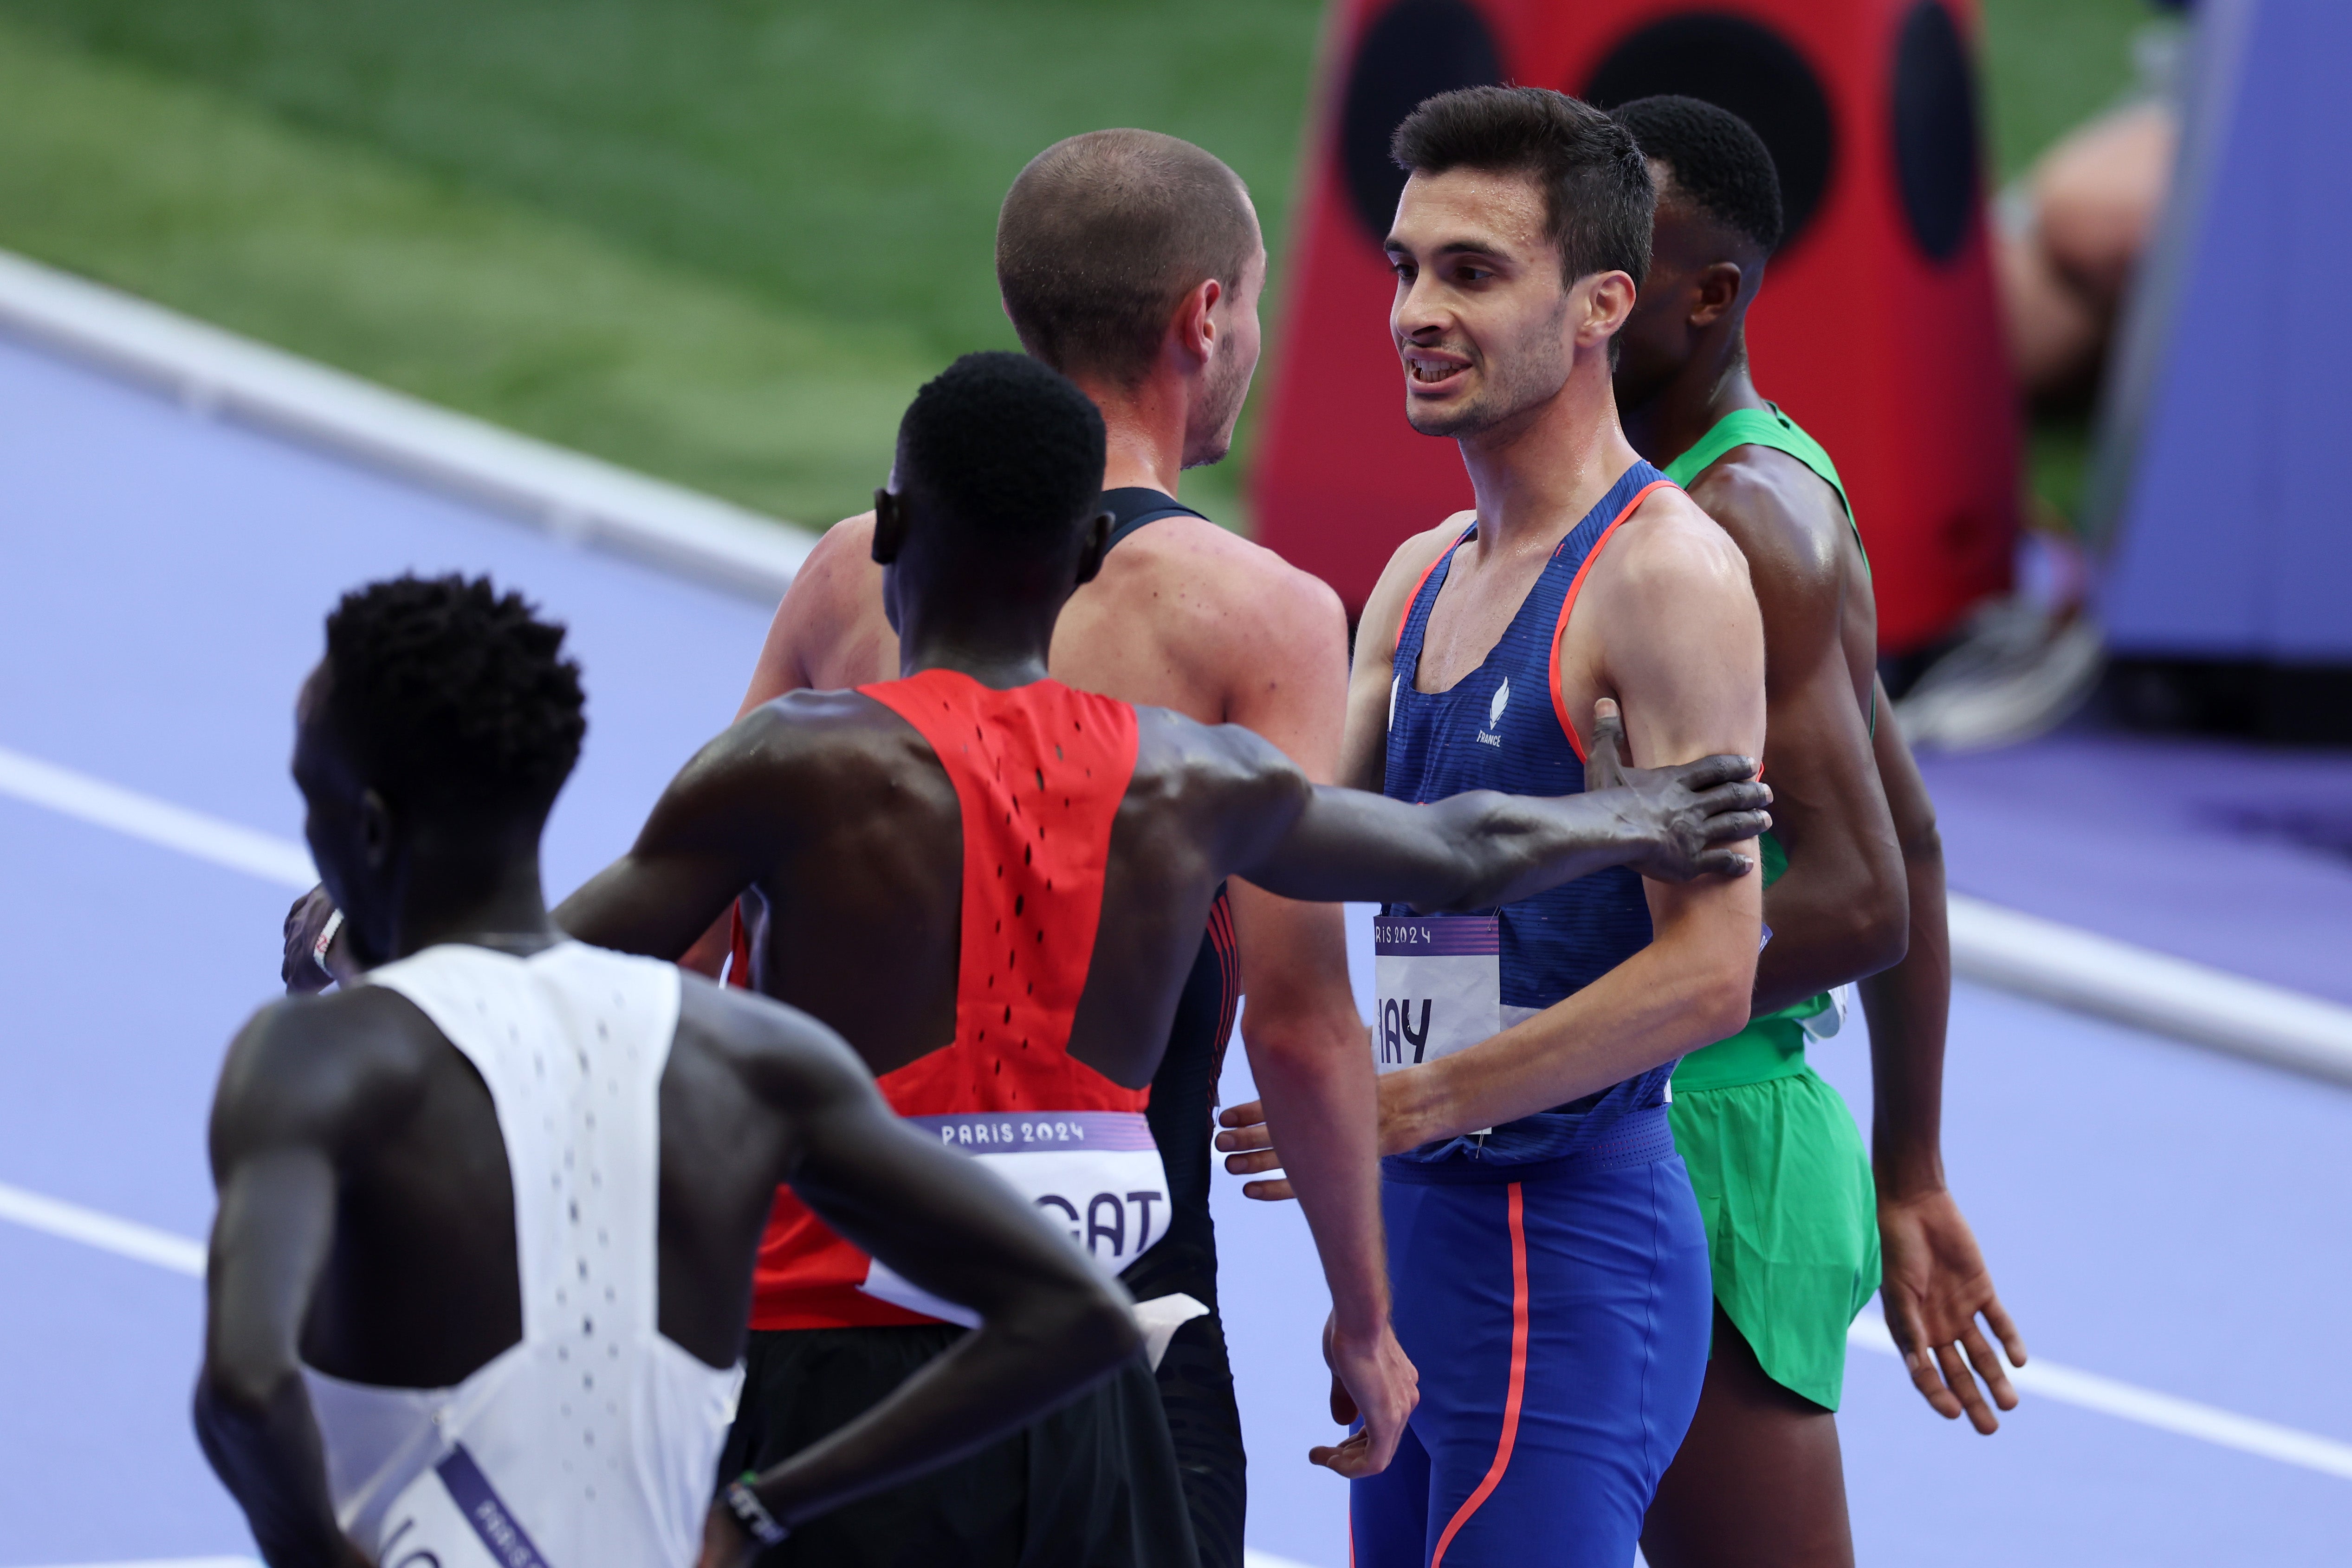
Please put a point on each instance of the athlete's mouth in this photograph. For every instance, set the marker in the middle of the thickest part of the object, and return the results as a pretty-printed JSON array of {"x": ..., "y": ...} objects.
[{"x": 1427, "y": 370}]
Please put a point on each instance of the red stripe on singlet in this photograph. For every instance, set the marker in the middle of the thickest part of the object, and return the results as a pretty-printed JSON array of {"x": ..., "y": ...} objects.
[{"x": 1567, "y": 603}]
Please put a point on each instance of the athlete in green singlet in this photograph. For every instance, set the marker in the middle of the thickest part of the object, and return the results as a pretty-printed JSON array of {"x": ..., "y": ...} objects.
[{"x": 1797, "y": 1216}]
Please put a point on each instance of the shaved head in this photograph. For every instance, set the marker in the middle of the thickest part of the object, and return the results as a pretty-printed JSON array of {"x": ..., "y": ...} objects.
[{"x": 1104, "y": 234}]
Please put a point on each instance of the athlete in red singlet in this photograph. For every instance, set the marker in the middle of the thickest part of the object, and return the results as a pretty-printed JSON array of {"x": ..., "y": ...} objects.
[{"x": 995, "y": 886}]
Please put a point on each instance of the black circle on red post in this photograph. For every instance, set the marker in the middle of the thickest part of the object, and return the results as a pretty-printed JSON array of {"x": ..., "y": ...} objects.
[
  {"x": 1412, "y": 50},
  {"x": 1934, "y": 130},
  {"x": 1747, "y": 69}
]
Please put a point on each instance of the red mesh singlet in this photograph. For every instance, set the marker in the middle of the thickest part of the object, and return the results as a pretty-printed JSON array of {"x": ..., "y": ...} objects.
[{"x": 1039, "y": 773}]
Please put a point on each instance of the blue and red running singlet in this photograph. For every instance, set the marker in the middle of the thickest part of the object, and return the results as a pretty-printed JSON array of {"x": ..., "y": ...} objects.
[{"x": 1504, "y": 727}]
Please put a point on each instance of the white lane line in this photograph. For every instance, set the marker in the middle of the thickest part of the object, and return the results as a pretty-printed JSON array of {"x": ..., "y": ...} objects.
[
  {"x": 93, "y": 800},
  {"x": 2185, "y": 1417},
  {"x": 127, "y": 1239},
  {"x": 2067, "y": 1384}
]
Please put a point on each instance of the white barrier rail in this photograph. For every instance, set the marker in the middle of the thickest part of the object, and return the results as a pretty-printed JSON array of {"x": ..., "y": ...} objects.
[
  {"x": 2188, "y": 1001},
  {"x": 567, "y": 493}
]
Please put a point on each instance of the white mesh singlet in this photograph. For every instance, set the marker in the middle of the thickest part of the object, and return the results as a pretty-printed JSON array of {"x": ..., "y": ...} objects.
[{"x": 593, "y": 1441}]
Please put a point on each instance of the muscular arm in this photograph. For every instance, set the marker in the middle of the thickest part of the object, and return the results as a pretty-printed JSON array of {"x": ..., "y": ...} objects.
[
  {"x": 1306, "y": 1041},
  {"x": 1477, "y": 849},
  {"x": 1051, "y": 1323},
  {"x": 716, "y": 829},
  {"x": 274, "y": 1128},
  {"x": 1936, "y": 1285},
  {"x": 1908, "y": 1004},
  {"x": 1838, "y": 912},
  {"x": 1673, "y": 635}
]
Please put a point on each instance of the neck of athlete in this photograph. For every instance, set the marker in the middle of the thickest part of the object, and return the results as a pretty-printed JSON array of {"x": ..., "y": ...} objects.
[
  {"x": 997, "y": 634},
  {"x": 1538, "y": 472},
  {"x": 1144, "y": 427},
  {"x": 478, "y": 885},
  {"x": 1711, "y": 384}
]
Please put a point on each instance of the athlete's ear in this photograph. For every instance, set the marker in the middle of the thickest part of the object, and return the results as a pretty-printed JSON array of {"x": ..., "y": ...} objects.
[
  {"x": 889, "y": 526},
  {"x": 1195, "y": 326},
  {"x": 375, "y": 830},
  {"x": 1606, "y": 307},
  {"x": 1714, "y": 291},
  {"x": 1094, "y": 543}
]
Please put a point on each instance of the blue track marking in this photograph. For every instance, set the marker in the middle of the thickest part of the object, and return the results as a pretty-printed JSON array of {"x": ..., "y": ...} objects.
[{"x": 2155, "y": 1214}]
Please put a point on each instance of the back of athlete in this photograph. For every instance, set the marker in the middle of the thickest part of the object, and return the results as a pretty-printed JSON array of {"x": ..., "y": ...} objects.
[
  {"x": 1188, "y": 617},
  {"x": 503, "y": 1194}
]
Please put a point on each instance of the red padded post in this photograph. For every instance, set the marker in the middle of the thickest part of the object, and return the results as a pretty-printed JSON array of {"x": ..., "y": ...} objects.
[{"x": 1876, "y": 330}]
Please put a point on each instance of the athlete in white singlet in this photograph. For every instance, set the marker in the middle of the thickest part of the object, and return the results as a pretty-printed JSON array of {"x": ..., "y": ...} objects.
[{"x": 478, "y": 1287}]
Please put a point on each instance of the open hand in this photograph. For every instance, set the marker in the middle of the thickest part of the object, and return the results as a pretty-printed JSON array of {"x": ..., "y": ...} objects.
[
  {"x": 1936, "y": 1286},
  {"x": 1373, "y": 1380},
  {"x": 1691, "y": 812}
]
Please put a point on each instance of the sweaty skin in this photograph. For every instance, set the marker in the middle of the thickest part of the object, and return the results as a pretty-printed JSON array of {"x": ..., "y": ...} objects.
[
  {"x": 834, "y": 812},
  {"x": 366, "y": 1220},
  {"x": 1497, "y": 354},
  {"x": 1188, "y": 617},
  {"x": 1759, "y": 1478}
]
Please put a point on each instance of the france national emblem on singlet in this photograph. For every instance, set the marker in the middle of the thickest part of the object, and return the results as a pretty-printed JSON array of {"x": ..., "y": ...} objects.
[{"x": 1489, "y": 736}]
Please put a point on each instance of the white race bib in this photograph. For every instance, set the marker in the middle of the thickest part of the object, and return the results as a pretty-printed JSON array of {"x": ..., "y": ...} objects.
[
  {"x": 1438, "y": 981},
  {"x": 451, "y": 1517},
  {"x": 1095, "y": 1174}
]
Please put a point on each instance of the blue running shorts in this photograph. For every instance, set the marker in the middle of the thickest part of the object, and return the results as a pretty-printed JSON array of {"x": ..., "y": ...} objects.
[{"x": 1559, "y": 1314}]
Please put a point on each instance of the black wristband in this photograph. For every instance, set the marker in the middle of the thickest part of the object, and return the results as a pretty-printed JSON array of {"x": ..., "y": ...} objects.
[{"x": 752, "y": 1514}]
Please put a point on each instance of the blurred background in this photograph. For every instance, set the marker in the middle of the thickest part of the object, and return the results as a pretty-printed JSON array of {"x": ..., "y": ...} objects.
[
  {"x": 719, "y": 241},
  {"x": 2064, "y": 311}
]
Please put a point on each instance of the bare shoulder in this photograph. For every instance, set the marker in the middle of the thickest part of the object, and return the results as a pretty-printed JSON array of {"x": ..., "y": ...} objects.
[
  {"x": 1195, "y": 571},
  {"x": 841, "y": 551},
  {"x": 1671, "y": 549},
  {"x": 1786, "y": 519},
  {"x": 843, "y": 735},
  {"x": 1176, "y": 755},
  {"x": 831, "y": 629},
  {"x": 308, "y": 1065},
  {"x": 1384, "y": 610}
]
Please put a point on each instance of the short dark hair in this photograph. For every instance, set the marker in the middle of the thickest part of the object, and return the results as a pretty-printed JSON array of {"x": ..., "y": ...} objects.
[
  {"x": 1598, "y": 199},
  {"x": 1716, "y": 159},
  {"x": 1100, "y": 237},
  {"x": 1008, "y": 448},
  {"x": 453, "y": 698}
]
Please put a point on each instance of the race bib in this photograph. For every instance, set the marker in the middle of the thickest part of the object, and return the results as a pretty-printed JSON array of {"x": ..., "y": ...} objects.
[
  {"x": 1438, "y": 981},
  {"x": 451, "y": 1517},
  {"x": 1095, "y": 1174}
]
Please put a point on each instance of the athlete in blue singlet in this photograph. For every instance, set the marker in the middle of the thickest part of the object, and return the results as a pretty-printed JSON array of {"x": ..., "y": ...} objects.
[{"x": 1546, "y": 1254}]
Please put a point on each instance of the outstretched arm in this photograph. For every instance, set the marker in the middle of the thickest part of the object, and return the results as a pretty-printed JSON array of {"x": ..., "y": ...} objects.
[
  {"x": 1479, "y": 849},
  {"x": 1051, "y": 1322},
  {"x": 718, "y": 828},
  {"x": 271, "y": 1151},
  {"x": 1936, "y": 1284}
]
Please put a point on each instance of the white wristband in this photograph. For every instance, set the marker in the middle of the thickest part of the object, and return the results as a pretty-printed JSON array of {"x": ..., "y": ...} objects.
[{"x": 326, "y": 940}]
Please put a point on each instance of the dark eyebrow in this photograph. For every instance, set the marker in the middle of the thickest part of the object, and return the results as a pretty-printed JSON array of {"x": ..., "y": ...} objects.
[{"x": 1465, "y": 247}]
